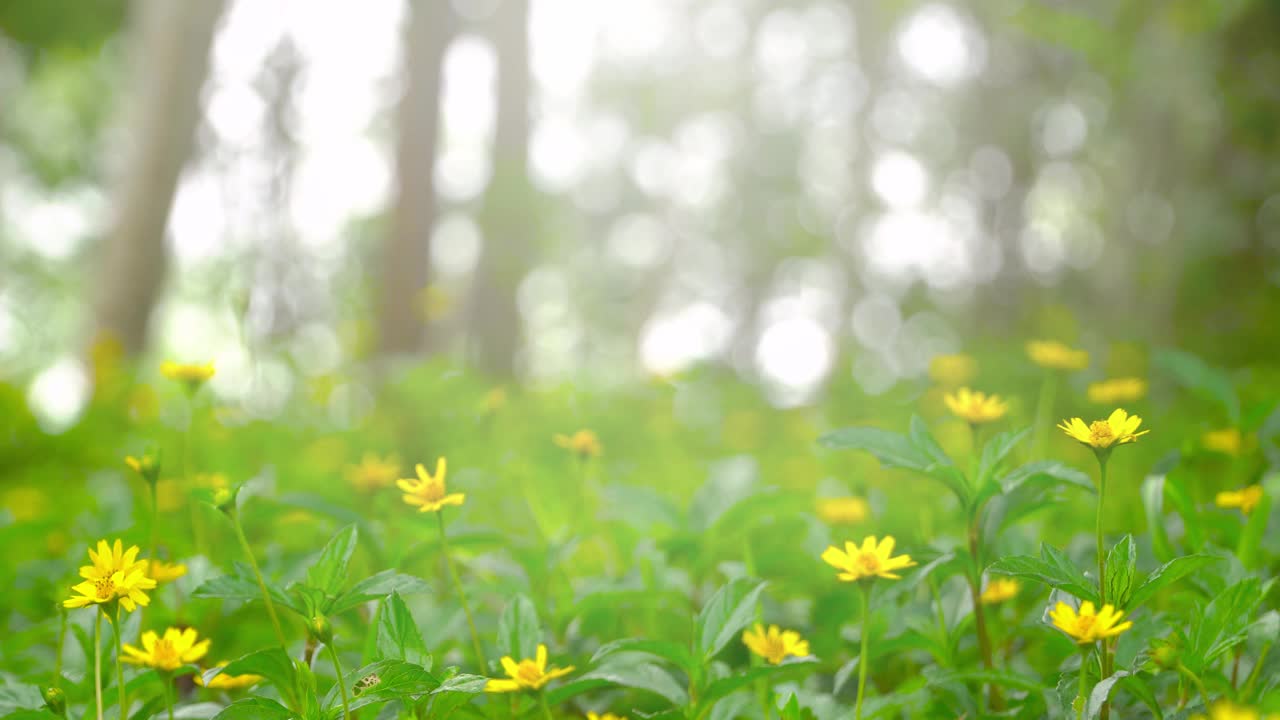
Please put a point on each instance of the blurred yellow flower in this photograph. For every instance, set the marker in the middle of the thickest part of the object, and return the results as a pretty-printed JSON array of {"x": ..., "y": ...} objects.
[
  {"x": 1089, "y": 624},
  {"x": 162, "y": 571},
  {"x": 223, "y": 681},
  {"x": 1117, "y": 390},
  {"x": 605, "y": 716},
  {"x": 975, "y": 408},
  {"x": 25, "y": 503},
  {"x": 147, "y": 466},
  {"x": 584, "y": 443},
  {"x": 1118, "y": 429},
  {"x": 999, "y": 590},
  {"x": 1246, "y": 498},
  {"x": 168, "y": 653},
  {"x": 116, "y": 574},
  {"x": 775, "y": 644},
  {"x": 1054, "y": 355},
  {"x": 953, "y": 370},
  {"x": 1227, "y": 441},
  {"x": 843, "y": 510},
  {"x": 428, "y": 491},
  {"x": 1227, "y": 710},
  {"x": 170, "y": 494},
  {"x": 213, "y": 481},
  {"x": 870, "y": 561},
  {"x": 191, "y": 374},
  {"x": 374, "y": 473},
  {"x": 526, "y": 674}
]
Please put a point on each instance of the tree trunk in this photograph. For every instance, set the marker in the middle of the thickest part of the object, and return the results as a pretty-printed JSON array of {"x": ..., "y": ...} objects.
[
  {"x": 507, "y": 218},
  {"x": 172, "y": 58},
  {"x": 402, "y": 324}
]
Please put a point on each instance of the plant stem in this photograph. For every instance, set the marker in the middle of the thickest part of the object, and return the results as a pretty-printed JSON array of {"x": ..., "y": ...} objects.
[
  {"x": 1257, "y": 667},
  {"x": 62, "y": 638},
  {"x": 1104, "y": 660},
  {"x": 1044, "y": 413},
  {"x": 546, "y": 709},
  {"x": 1195, "y": 679},
  {"x": 155, "y": 516},
  {"x": 342, "y": 683},
  {"x": 257, "y": 573},
  {"x": 167, "y": 679},
  {"x": 119, "y": 632},
  {"x": 865, "y": 594},
  {"x": 462, "y": 595},
  {"x": 1081, "y": 699},
  {"x": 97, "y": 661},
  {"x": 979, "y": 612}
]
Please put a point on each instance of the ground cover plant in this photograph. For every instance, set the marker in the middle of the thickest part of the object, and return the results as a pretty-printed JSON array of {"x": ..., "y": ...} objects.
[{"x": 1053, "y": 544}]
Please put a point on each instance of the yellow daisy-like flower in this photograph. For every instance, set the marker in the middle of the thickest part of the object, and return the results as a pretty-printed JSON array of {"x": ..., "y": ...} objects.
[
  {"x": 1054, "y": 355},
  {"x": 116, "y": 574},
  {"x": 1118, "y": 429},
  {"x": 999, "y": 590},
  {"x": 147, "y": 466},
  {"x": 223, "y": 681},
  {"x": 870, "y": 561},
  {"x": 192, "y": 374},
  {"x": 428, "y": 491},
  {"x": 1246, "y": 498},
  {"x": 584, "y": 443},
  {"x": 1227, "y": 441},
  {"x": 605, "y": 716},
  {"x": 1089, "y": 625},
  {"x": 162, "y": 571},
  {"x": 374, "y": 473},
  {"x": 1117, "y": 390},
  {"x": 975, "y": 408},
  {"x": 526, "y": 674},
  {"x": 843, "y": 510},
  {"x": 775, "y": 644},
  {"x": 1227, "y": 710},
  {"x": 168, "y": 653},
  {"x": 953, "y": 370}
]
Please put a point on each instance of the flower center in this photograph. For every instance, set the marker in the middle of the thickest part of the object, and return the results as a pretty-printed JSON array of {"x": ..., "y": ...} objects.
[
  {"x": 1084, "y": 625},
  {"x": 104, "y": 589},
  {"x": 528, "y": 672},
  {"x": 432, "y": 490},
  {"x": 869, "y": 563},
  {"x": 1100, "y": 434},
  {"x": 165, "y": 655}
]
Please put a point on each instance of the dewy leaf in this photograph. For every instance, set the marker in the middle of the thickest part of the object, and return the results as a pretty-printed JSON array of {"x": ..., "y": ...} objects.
[
  {"x": 329, "y": 572},
  {"x": 398, "y": 635},
  {"x": 1053, "y": 568},
  {"x": 1121, "y": 566},
  {"x": 518, "y": 628},
  {"x": 725, "y": 614},
  {"x": 1166, "y": 575}
]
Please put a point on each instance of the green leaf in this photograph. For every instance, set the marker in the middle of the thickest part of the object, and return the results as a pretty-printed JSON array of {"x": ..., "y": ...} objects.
[
  {"x": 644, "y": 676},
  {"x": 923, "y": 441},
  {"x": 330, "y": 571},
  {"x": 379, "y": 682},
  {"x": 1254, "y": 530},
  {"x": 662, "y": 649},
  {"x": 1043, "y": 470},
  {"x": 241, "y": 584},
  {"x": 890, "y": 448},
  {"x": 1002, "y": 678},
  {"x": 1208, "y": 382},
  {"x": 255, "y": 708},
  {"x": 724, "y": 616},
  {"x": 1225, "y": 622},
  {"x": 1053, "y": 568},
  {"x": 1177, "y": 491},
  {"x": 1121, "y": 565},
  {"x": 518, "y": 628},
  {"x": 1153, "y": 504},
  {"x": 1166, "y": 575},
  {"x": 771, "y": 674},
  {"x": 377, "y": 587},
  {"x": 272, "y": 664},
  {"x": 1098, "y": 696},
  {"x": 995, "y": 451},
  {"x": 398, "y": 635}
]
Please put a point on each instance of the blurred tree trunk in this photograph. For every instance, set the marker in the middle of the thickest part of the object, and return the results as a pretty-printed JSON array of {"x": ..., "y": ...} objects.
[
  {"x": 402, "y": 322},
  {"x": 507, "y": 217},
  {"x": 172, "y": 42}
]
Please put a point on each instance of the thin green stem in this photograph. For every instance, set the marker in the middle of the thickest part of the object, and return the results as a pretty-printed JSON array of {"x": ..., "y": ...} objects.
[
  {"x": 119, "y": 632},
  {"x": 97, "y": 662},
  {"x": 1102, "y": 552},
  {"x": 865, "y": 594},
  {"x": 546, "y": 709},
  {"x": 257, "y": 573},
  {"x": 167, "y": 680},
  {"x": 62, "y": 638},
  {"x": 342, "y": 683},
  {"x": 979, "y": 611},
  {"x": 155, "y": 518},
  {"x": 462, "y": 595},
  {"x": 1044, "y": 413},
  {"x": 1195, "y": 680},
  {"x": 1257, "y": 668},
  {"x": 1081, "y": 698}
]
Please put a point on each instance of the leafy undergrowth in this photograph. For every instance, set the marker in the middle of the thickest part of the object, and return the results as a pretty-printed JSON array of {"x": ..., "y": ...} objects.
[{"x": 929, "y": 553}]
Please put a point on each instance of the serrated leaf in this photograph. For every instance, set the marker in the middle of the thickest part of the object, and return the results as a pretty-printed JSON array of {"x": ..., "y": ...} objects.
[
  {"x": 663, "y": 649},
  {"x": 890, "y": 448},
  {"x": 272, "y": 664},
  {"x": 329, "y": 572},
  {"x": 241, "y": 584},
  {"x": 1053, "y": 568},
  {"x": 995, "y": 451},
  {"x": 1121, "y": 566},
  {"x": 1166, "y": 575},
  {"x": 398, "y": 634},
  {"x": 789, "y": 670},
  {"x": 1101, "y": 692},
  {"x": 376, "y": 587},
  {"x": 518, "y": 629},
  {"x": 379, "y": 682},
  {"x": 641, "y": 676},
  {"x": 725, "y": 614},
  {"x": 1043, "y": 470},
  {"x": 255, "y": 708}
]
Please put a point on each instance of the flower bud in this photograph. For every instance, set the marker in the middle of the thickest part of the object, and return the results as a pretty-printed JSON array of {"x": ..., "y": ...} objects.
[
  {"x": 320, "y": 629},
  {"x": 1166, "y": 655},
  {"x": 56, "y": 701}
]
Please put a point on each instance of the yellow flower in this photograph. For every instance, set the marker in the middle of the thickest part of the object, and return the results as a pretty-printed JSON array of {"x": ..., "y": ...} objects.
[
  {"x": 999, "y": 590},
  {"x": 953, "y": 370},
  {"x": 428, "y": 491},
  {"x": 1227, "y": 441},
  {"x": 606, "y": 716},
  {"x": 116, "y": 573},
  {"x": 223, "y": 681},
  {"x": 1054, "y": 355},
  {"x": 775, "y": 644},
  {"x": 1227, "y": 710},
  {"x": 843, "y": 510},
  {"x": 1118, "y": 429},
  {"x": 870, "y": 561},
  {"x": 147, "y": 466},
  {"x": 161, "y": 571},
  {"x": 191, "y": 374},
  {"x": 1089, "y": 625},
  {"x": 975, "y": 407},
  {"x": 213, "y": 481},
  {"x": 584, "y": 443},
  {"x": 1117, "y": 390},
  {"x": 1246, "y": 498},
  {"x": 374, "y": 473},
  {"x": 526, "y": 674},
  {"x": 168, "y": 653}
]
